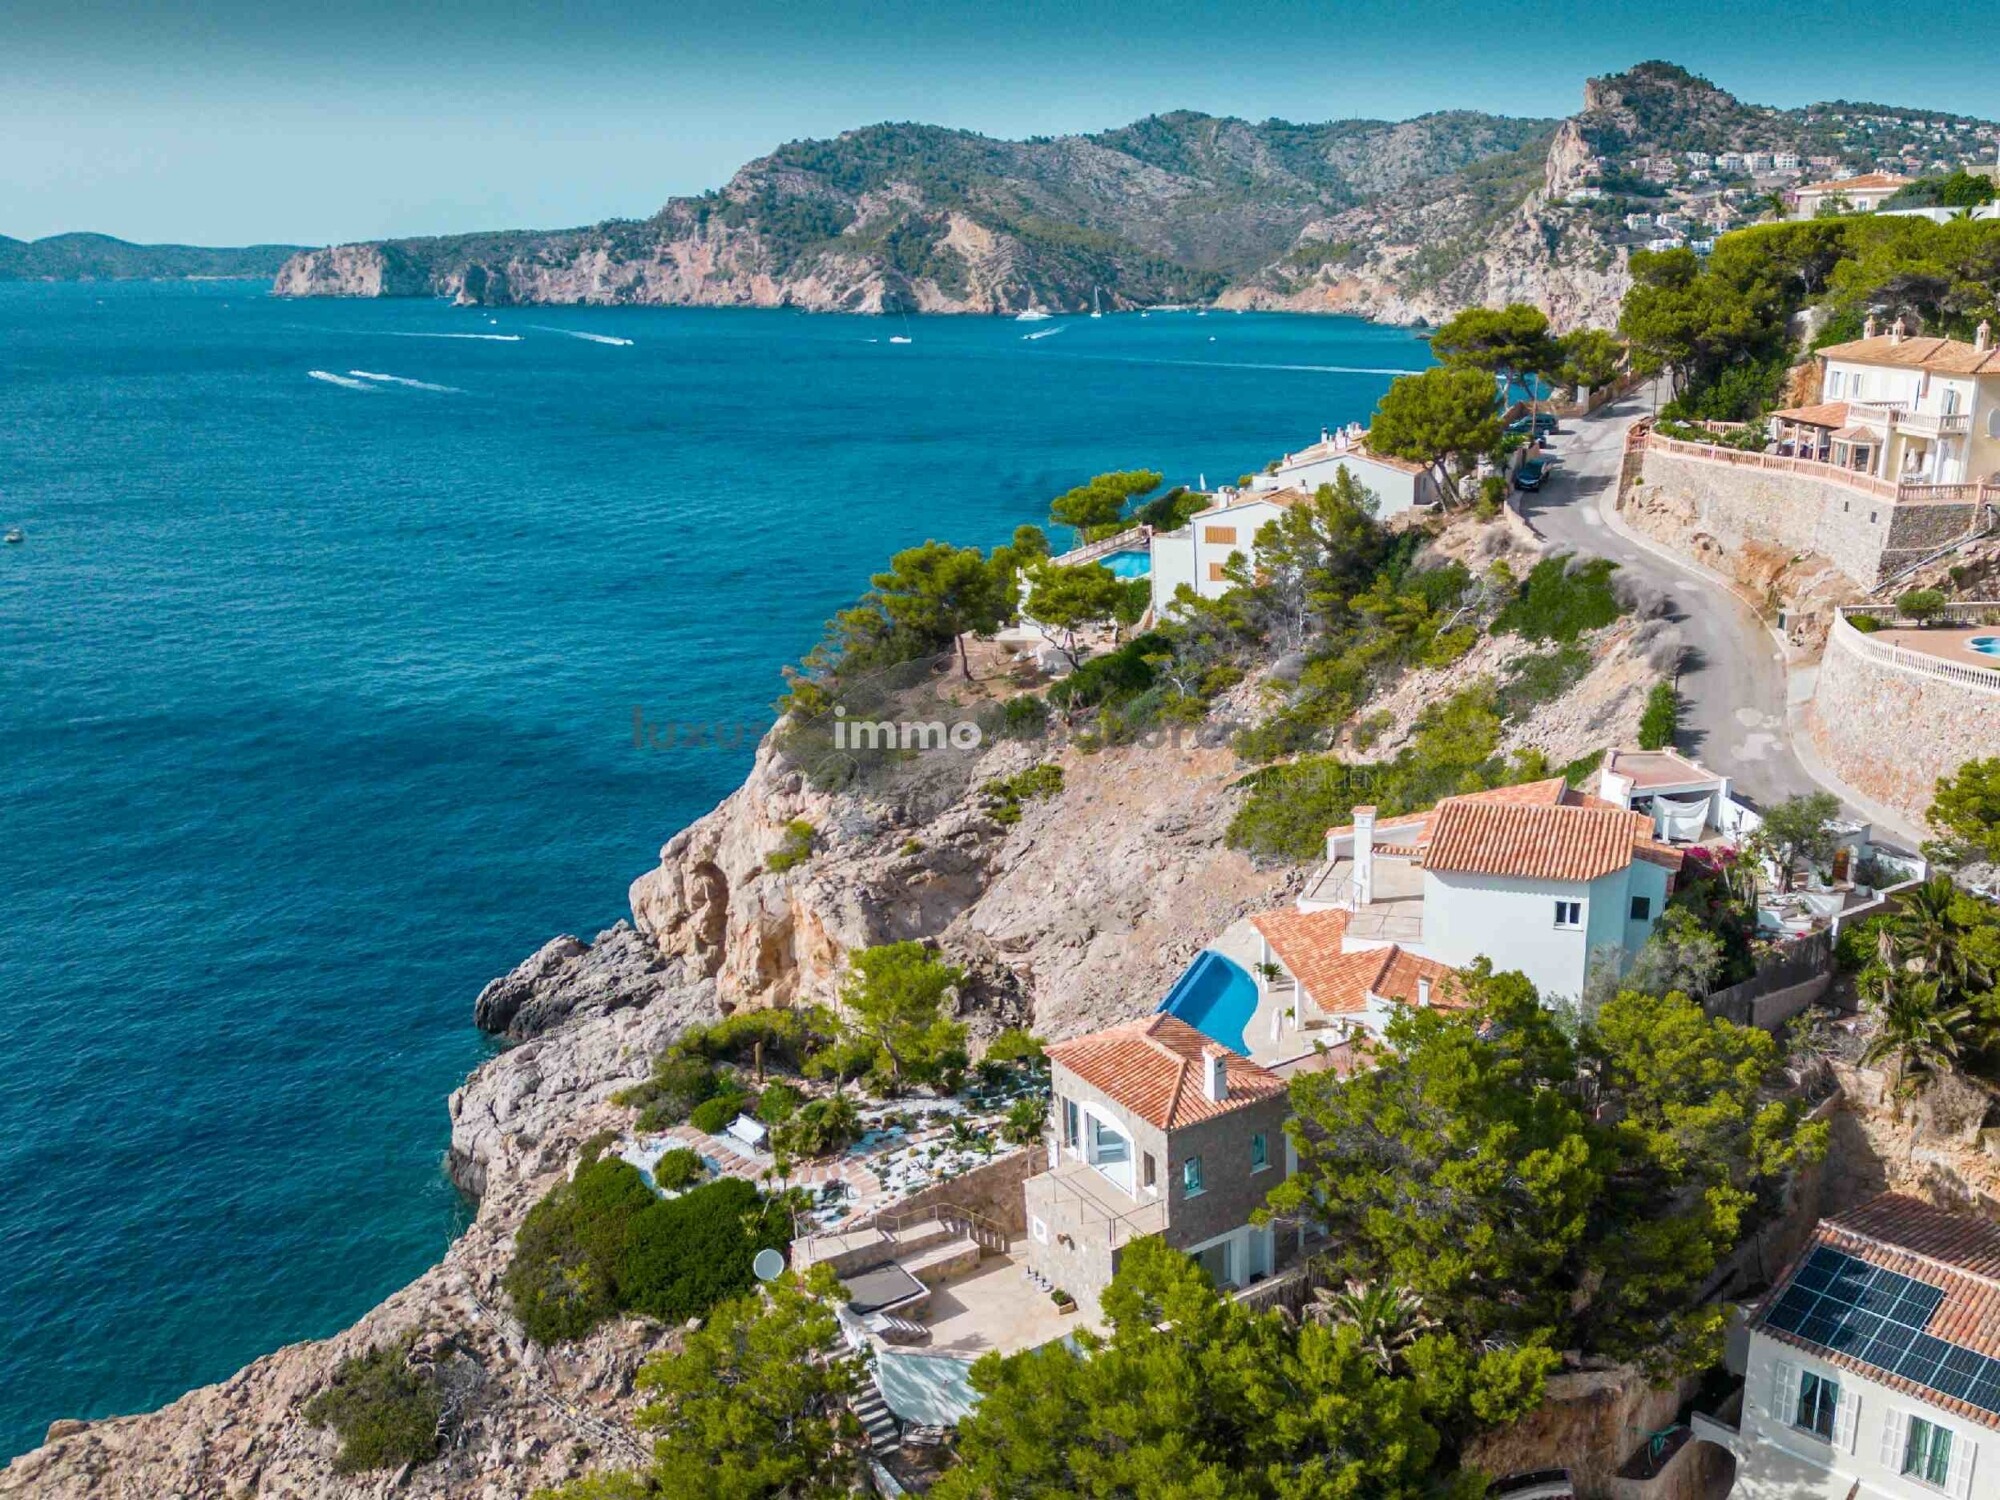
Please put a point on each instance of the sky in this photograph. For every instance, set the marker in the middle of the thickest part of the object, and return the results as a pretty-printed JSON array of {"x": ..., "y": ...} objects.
[{"x": 276, "y": 121}]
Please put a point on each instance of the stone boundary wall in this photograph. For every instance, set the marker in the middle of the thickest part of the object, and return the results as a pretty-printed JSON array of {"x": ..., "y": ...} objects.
[
  {"x": 991, "y": 1190},
  {"x": 1890, "y": 731},
  {"x": 1868, "y": 537}
]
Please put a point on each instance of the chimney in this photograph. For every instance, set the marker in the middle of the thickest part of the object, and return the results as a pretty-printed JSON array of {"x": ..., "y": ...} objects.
[
  {"x": 1423, "y": 994},
  {"x": 1869, "y": 327},
  {"x": 1364, "y": 856},
  {"x": 1983, "y": 339},
  {"x": 1613, "y": 787},
  {"x": 1215, "y": 1075},
  {"x": 1898, "y": 331}
]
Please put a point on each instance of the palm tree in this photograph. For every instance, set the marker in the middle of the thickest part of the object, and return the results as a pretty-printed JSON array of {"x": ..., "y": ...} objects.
[
  {"x": 1924, "y": 936},
  {"x": 1389, "y": 1318},
  {"x": 1916, "y": 1030}
]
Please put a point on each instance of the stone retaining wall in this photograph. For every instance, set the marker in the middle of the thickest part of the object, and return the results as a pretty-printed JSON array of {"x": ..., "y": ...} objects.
[
  {"x": 1866, "y": 536},
  {"x": 993, "y": 1191},
  {"x": 1889, "y": 732}
]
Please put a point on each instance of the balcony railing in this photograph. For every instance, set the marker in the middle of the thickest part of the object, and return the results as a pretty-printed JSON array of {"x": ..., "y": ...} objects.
[
  {"x": 1914, "y": 663},
  {"x": 1885, "y": 414},
  {"x": 1854, "y": 479}
]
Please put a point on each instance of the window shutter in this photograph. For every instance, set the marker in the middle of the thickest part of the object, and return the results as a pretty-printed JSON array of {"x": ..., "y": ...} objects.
[
  {"x": 1843, "y": 1420},
  {"x": 1893, "y": 1424},
  {"x": 1963, "y": 1452},
  {"x": 1784, "y": 1394}
]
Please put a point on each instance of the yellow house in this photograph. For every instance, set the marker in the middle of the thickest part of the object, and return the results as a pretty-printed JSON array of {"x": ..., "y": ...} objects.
[{"x": 1916, "y": 410}]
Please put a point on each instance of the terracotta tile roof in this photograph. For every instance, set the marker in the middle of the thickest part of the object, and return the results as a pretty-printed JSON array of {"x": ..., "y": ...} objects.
[
  {"x": 1948, "y": 356},
  {"x": 1153, "y": 1067},
  {"x": 1554, "y": 792},
  {"x": 1866, "y": 182},
  {"x": 1339, "y": 983},
  {"x": 1825, "y": 414},
  {"x": 1535, "y": 842},
  {"x": 1958, "y": 1253}
]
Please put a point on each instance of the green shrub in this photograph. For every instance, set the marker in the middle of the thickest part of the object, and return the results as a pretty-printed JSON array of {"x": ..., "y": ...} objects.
[
  {"x": 677, "y": 1169},
  {"x": 1023, "y": 718},
  {"x": 1005, "y": 796},
  {"x": 1448, "y": 646},
  {"x": 1580, "y": 770},
  {"x": 1530, "y": 681},
  {"x": 1563, "y": 597},
  {"x": 1371, "y": 729},
  {"x": 777, "y": 1103},
  {"x": 787, "y": 1037},
  {"x": 1661, "y": 718},
  {"x": 819, "y": 1128},
  {"x": 1922, "y": 605},
  {"x": 1866, "y": 624},
  {"x": 794, "y": 849},
  {"x": 603, "y": 1243},
  {"x": 713, "y": 1116},
  {"x": 679, "y": 1083},
  {"x": 385, "y": 1414},
  {"x": 1116, "y": 675}
]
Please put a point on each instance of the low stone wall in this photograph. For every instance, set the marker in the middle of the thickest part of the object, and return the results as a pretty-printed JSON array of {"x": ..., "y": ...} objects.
[
  {"x": 1868, "y": 537},
  {"x": 992, "y": 1191},
  {"x": 1891, "y": 731}
]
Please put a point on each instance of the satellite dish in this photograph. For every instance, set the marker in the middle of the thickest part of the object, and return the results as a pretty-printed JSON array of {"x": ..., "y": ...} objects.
[{"x": 769, "y": 1265}]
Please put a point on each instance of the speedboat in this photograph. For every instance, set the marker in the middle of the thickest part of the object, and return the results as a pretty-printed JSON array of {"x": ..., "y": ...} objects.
[{"x": 14, "y": 534}]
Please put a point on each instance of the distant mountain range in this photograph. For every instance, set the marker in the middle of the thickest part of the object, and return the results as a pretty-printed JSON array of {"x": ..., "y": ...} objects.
[
  {"x": 1405, "y": 221},
  {"x": 98, "y": 257}
]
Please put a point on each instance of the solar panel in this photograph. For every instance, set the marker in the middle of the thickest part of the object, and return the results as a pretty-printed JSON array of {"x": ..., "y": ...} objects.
[{"x": 1843, "y": 1303}]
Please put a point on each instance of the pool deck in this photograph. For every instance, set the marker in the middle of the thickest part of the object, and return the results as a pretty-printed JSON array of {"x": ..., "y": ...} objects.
[
  {"x": 1946, "y": 645},
  {"x": 1269, "y": 1045}
]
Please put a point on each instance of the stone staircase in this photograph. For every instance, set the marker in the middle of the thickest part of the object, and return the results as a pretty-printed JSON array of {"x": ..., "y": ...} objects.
[{"x": 884, "y": 1435}]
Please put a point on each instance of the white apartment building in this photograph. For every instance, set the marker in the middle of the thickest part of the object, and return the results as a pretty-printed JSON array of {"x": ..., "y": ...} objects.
[
  {"x": 1873, "y": 1368},
  {"x": 1863, "y": 194}
]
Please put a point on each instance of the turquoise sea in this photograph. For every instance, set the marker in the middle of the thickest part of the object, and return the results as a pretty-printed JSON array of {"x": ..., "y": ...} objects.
[{"x": 316, "y": 704}]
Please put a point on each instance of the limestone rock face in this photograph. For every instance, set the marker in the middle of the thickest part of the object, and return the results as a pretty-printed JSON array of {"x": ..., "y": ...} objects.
[{"x": 568, "y": 978}]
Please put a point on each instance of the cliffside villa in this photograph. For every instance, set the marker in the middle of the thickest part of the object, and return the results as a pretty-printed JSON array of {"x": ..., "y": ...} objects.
[{"x": 1863, "y": 194}]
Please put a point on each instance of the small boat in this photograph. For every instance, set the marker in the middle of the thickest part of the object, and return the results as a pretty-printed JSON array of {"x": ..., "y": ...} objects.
[
  {"x": 1032, "y": 315},
  {"x": 899, "y": 338},
  {"x": 15, "y": 535},
  {"x": 1096, "y": 311}
]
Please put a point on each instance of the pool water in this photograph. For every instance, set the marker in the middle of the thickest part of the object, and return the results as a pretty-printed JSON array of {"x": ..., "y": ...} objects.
[
  {"x": 1985, "y": 645},
  {"x": 1215, "y": 996},
  {"x": 1128, "y": 564}
]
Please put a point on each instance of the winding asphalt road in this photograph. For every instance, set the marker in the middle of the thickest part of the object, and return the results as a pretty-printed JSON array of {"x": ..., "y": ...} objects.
[{"x": 1733, "y": 681}]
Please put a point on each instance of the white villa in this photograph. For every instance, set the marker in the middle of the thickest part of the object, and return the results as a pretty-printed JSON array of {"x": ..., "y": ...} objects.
[
  {"x": 1864, "y": 194},
  {"x": 1539, "y": 877},
  {"x": 1873, "y": 1369},
  {"x": 1198, "y": 554},
  {"x": 1906, "y": 409}
]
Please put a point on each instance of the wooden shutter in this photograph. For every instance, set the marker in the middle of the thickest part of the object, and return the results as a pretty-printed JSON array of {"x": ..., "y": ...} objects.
[
  {"x": 1895, "y": 1424},
  {"x": 1784, "y": 1391},
  {"x": 1963, "y": 1454},
  {"x": 1222, "y": 536},
  {"x": 1843, "y": 1419}
]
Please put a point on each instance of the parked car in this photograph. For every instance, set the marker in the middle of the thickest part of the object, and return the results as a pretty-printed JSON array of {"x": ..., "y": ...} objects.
[
  {"x": 1542, "y": 422},
  {"x": 1530, "y": 475}
]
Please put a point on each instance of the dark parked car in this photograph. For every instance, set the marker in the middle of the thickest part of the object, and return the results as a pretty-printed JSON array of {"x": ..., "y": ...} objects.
[
  {"x": 1530, "y": 475},
  {"x": 1544, "y": 422}
]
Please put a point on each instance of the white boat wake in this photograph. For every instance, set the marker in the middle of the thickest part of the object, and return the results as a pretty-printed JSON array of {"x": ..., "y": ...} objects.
[
  {"x": 490, "y": 338},
  {"x": 415, "y": 385},
  {"x": 594, "y": 338},
  {"x": 340, "y": 380}
]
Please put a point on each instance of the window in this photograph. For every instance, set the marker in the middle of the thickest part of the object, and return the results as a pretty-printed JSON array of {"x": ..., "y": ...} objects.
[
  {"x": 1927, "y": 1452},
  {"x": 1260, "y": 1152},
  {"x": 1819, "y": 1399},
  {"x": 1152, "y": 1178},
  {"x": 1191, "y": 1177},
  {"x": 1039, "y": 1230},
  {"x": 1221, "y": 535},
  {"x": 1642, "y": 908},
  {"x": 1216, "y": 574},
  {"x": 1951, "y": 401},
  {"x": 1569, "y": 914},
  {"x": 1871, "y": 518},
  {"x": 1069, "y": 1122}
]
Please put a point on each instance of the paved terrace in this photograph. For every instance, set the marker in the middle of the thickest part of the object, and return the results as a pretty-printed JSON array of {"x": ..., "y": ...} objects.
[
  {"x": 1395, "y": 915},
  {"x": 1946, "y": 645}
]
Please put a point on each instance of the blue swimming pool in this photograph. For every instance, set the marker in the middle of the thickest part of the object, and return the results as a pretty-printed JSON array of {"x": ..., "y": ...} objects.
[
  {"x": 1985, "y": 645},
  {"x": 1128, "y": 564},
  {"x": 1215, "y": 996}
]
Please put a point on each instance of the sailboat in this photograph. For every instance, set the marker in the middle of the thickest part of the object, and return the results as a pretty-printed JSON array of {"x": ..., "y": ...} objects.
[
  {"x": 904, "y": 336},
  {"x": 1096, "y": 311}
]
